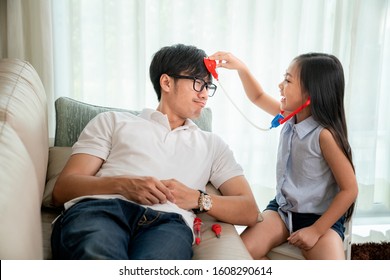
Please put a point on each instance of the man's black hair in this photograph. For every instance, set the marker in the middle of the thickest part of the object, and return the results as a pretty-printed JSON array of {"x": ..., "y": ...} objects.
[{"x": 177, "y": 59}]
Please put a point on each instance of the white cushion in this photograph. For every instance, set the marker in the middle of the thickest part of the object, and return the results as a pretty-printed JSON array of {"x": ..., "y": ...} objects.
[
  {"x": 23, "y": 159},
  {"x": 20, "y": 230}
]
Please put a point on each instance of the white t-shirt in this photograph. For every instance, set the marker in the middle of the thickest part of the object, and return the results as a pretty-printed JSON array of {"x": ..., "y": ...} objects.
[{"x": 145, "y": 145}]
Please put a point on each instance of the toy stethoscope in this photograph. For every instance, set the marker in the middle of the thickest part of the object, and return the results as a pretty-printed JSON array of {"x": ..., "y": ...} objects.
[{"x": 279, "y": 119}]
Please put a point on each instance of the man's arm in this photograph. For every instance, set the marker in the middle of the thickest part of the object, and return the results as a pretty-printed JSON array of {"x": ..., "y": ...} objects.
[
  {"x": 78, "y": 179},
  {"x": 236, "y": 205}
]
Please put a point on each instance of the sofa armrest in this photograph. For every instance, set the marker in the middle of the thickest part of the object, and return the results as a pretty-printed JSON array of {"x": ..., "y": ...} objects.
[
  {"x": 228, "y": 247},
  {"x": 23, "y": 159}
]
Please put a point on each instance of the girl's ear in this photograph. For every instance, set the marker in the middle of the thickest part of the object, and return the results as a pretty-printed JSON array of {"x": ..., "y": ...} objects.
[
  {"x": 305, "y": 94},
  {"x": 166, "y": 83}
]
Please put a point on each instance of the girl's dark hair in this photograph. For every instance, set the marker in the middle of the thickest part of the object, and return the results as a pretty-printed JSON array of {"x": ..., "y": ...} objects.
[
  {"x": 322, "y": 78},
  {"x": 175, "y": 60}
]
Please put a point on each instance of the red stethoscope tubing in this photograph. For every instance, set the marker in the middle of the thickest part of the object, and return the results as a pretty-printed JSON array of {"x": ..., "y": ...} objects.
[{"x": 282, "y": 121}]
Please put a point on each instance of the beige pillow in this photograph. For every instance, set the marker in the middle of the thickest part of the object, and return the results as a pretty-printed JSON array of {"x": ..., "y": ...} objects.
[{"x": 58, "y": 156}]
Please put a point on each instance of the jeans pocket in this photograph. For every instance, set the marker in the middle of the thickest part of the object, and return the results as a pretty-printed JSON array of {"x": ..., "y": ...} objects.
[
  {"x": 57, "y": 219},
  {"x": 149, "y": 217}
]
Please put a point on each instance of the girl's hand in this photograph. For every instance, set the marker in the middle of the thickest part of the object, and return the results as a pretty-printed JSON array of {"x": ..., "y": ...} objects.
[
  {"x": 304, "y": 238},
  {"x": 252, "y": 87},
  {"x": 228, "y": 61}
]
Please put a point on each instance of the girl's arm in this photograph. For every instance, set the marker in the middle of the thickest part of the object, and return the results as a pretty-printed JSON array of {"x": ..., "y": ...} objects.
[
  {"x": 345, "y": 177},
  {"x": 252, "y": 87}
]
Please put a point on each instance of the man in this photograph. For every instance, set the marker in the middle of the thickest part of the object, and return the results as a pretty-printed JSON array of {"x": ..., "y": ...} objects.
[{"x": 133, "y": 183}]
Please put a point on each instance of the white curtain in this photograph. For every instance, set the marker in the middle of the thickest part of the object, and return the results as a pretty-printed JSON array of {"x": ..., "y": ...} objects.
[
  {"x": 102, "y": 50},
  {"x": 26, "y": 33}
]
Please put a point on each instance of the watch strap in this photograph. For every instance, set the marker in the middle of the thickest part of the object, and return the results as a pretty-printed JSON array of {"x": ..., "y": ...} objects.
[{"x": 200, "y": 207}]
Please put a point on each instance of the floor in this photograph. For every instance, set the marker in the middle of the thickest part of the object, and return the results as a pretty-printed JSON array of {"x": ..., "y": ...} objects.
[{"x": 370, "y": 233}]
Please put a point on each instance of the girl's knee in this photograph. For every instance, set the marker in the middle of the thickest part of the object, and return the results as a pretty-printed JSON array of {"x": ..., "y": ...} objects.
[{"x": 328, "y": 247}]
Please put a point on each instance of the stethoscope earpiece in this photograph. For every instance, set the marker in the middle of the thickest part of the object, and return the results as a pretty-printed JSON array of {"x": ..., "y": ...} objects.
[{"x": 211, "y": 66}]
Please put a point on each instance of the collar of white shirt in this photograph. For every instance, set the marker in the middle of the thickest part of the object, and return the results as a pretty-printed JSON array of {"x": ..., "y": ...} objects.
[{"x": 157, "y": 116}]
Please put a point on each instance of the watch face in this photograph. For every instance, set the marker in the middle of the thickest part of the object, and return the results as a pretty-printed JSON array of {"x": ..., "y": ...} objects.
[{"x": 207, "y": 203}]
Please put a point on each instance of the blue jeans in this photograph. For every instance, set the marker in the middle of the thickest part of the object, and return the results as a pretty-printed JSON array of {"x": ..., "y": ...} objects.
[{"x": 118, "y": 230}]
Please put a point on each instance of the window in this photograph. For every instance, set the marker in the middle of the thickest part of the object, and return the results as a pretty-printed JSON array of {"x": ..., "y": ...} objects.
[{"x": 103, "y": 50}]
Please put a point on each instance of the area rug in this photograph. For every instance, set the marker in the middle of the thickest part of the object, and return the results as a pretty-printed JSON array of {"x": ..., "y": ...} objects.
[{"x": 371, "y": 251}]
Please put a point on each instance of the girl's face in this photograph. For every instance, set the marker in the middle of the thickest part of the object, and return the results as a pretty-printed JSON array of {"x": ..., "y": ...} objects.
[{"x": 290, "y": 89}]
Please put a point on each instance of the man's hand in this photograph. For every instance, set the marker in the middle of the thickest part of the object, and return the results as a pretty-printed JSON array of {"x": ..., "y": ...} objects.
[
  {"x": 78, "y": 179},
  {"x": 146, "y": 190},
  {"x": 185, "y": 197}
]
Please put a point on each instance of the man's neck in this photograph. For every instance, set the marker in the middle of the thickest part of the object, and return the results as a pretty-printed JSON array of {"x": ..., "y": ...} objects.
[{"x": 174, "y": 120}]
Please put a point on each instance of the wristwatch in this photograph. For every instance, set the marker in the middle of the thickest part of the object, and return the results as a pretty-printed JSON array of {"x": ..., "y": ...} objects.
[{"x": 204, "y": 202}]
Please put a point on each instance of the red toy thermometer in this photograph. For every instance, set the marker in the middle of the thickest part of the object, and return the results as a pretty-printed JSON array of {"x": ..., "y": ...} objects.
[
  {"x": 197, "y": 230},
  {"x": 211, "y": 66},
  {"x": 217, "y": 230}
]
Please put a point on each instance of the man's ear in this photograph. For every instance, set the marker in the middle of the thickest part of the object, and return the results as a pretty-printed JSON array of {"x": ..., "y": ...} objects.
[{"x": 166, "y": 83}]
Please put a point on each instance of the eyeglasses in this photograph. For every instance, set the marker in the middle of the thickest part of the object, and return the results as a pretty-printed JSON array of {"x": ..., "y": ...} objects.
[{"x": 199, "y": 84}]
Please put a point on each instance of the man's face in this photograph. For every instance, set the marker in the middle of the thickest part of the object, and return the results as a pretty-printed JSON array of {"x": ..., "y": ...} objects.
[{"x": 185, "y": 100}]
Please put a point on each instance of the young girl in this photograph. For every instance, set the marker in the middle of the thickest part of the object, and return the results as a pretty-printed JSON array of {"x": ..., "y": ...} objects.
[{"x": 316, "y": 183}]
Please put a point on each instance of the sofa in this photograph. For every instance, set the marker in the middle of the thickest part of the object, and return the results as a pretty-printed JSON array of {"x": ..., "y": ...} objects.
[{"x": 29, "y": 167}]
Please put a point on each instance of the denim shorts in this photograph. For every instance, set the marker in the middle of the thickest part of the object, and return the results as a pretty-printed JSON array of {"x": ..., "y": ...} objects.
[{"x": 302, "y": 220}]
